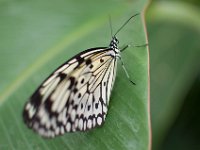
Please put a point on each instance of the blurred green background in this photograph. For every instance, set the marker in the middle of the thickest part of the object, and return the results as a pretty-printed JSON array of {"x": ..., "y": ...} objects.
[
  {"x": 174, "y": 41},
  {"x": 37, "y": 36}
]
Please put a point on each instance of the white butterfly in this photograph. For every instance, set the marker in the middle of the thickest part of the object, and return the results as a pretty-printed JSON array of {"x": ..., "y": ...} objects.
[{"x": 75, "y": 97}]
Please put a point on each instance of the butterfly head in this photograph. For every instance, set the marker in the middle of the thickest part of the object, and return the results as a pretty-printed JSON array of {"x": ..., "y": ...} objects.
[{"x": 114, "y": 43}]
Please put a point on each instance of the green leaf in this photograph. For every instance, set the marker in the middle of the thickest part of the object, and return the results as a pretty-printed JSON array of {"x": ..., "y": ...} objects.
[
  {"x": 175, "y": 63},
  {"x": 37, "y": 36}
]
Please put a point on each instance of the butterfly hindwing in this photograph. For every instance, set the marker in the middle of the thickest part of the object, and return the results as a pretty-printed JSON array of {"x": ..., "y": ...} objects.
[{"x": 75, "y": 97}]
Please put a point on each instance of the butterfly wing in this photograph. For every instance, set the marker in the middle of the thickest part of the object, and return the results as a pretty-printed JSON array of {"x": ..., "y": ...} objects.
[{"x": 75, "y": 97}]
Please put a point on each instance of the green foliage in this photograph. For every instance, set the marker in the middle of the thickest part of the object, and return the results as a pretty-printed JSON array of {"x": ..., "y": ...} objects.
[
  {"x": 174, "y": 33},
  {"x": 37, "y": 36}
]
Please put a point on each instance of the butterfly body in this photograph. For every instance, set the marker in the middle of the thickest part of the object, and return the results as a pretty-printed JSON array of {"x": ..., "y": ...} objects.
[{"x": 75, "y": 97}]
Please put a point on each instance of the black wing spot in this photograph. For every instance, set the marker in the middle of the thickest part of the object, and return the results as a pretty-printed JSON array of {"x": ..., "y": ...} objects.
[
  {"x": 81, "y": 116},
  {"x": 82, "y": 81},
  {"x": 89, "y": 107},
  {"x": 53, "y": 114},
  {"x": 88, "y": 61},
  {"x": 93, "y": 99},
  {"x": 80, "y": 60},
  {"x": 91, "y": 66},
  {"x": 104, "y": 83},
  {"x": 72, "y": 81},
  {"x": 36, "y": 99},
  {"x": 79, "y": 95},
  {"x": 72, "y": 102},
  {"x": 75, "y": 107},
  {"x": 62, "y": 76},
  {"x": 81, "y": 105},
  {"x": 48, "y": 104},
  {"x": 70, "y": 120},
  {"x": 59, "y": 124},
  {"x": 101, "y": 60},
  {"x": 91, "y": 117},
  {"x": 75, "y": 90},
  {"x": 96, "y": 105}
]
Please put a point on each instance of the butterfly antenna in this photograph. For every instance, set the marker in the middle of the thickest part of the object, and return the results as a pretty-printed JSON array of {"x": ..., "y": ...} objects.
[
  {"x": 126, "y": 23},
  {"x": 110, "y": 23}
]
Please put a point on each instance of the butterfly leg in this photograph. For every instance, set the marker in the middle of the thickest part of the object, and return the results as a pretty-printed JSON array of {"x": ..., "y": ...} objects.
[
  {"x": 144, "y": 45},
  {"x": 125, "y": 47},
  {"x": 124, "y": 68}
]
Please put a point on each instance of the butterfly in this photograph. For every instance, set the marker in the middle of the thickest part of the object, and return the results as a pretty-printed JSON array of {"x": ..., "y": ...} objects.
[{"x": 75, "y": 97}]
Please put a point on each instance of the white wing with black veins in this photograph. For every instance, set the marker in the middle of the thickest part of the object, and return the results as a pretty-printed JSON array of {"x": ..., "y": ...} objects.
[{"x": 75, "y": 97}]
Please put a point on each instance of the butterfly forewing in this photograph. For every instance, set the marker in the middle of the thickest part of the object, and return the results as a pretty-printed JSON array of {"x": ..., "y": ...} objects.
[{"x": 75, "y": 97}]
